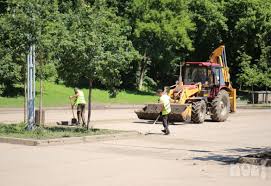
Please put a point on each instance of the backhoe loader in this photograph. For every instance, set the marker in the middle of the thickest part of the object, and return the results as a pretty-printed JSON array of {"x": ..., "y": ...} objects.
[{"x": 204, "y": 89}]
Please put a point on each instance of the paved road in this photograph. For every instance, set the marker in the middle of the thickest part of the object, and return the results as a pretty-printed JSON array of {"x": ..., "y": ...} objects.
[
  {"x": 56, "y": 115},
  {"x": 191, "y": 155}
]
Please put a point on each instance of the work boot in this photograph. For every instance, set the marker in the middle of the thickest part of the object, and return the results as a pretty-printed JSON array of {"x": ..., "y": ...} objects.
[
  {"x": 167, "y": 133},
  {"x": 164, "y": 131}
]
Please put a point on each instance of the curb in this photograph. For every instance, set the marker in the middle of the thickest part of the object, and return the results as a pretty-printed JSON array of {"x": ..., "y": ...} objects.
[
  {"x": 69, "y": 140},
  {"x": 255, "y": 161}
]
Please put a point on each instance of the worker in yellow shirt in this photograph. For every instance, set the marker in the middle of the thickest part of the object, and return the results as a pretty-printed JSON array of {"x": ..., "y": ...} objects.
[
  {"x": 164, "y": 99},
  {"x": 80, "y": 102}
]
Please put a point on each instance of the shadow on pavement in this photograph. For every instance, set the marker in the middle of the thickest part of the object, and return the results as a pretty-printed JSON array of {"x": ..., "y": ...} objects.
[
  {"x": 223, "y": 159},
  {"x": 200, "y": 151},
  {"x": 153, "y": 133},
  {"x": 250, "y": 150},
  {"x": 231, "y": 158}
]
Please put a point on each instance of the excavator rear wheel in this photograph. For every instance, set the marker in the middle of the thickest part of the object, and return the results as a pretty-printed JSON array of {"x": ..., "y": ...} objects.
[
  {"x": 220, "y": 106},
  {"x": 198, "y": 111}
]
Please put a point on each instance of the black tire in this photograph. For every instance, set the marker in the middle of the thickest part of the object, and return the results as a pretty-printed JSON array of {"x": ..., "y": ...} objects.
[
  {"x": 220, "y": 107},
  {"x": 198, "y": 111}
]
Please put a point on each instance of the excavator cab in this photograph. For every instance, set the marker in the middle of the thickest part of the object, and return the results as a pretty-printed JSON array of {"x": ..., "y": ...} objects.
[
  {"x": 203, "y": 72},
  {"x": 196, "y": 74},
  {"x": 207, "y": 74}
]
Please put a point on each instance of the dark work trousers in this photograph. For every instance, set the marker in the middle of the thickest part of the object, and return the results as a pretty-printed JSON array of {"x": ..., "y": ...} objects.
[
  {"x": 165, "y": 122},
  {"x": 81, "y": 113}
]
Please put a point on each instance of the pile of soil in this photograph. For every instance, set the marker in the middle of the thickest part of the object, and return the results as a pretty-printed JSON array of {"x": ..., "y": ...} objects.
[
  {"x": 263, "y": 158},
  {"x": 263, "y": 155}
]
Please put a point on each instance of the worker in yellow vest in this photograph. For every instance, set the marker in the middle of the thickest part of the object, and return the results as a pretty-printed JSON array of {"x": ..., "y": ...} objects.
[
  {"x": 80, "y": 102},
  {"x": 164, "y": 99}
]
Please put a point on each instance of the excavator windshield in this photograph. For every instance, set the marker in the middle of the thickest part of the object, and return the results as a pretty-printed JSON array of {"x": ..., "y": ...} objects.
[{"x": 195, "y": 74}]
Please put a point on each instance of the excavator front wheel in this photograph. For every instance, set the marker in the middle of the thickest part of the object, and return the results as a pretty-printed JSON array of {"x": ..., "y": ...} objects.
[
  {"x": 198, "y": 111},
  {"x": 220, "y": 106}
]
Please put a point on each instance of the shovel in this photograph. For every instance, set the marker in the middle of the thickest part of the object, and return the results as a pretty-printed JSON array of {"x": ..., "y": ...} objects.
[{"x": 74, "y": 120}]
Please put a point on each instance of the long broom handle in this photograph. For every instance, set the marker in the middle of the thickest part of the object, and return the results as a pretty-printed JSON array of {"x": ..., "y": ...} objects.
[
  {"x": 156, "y": 119},
  {"x": 153, "y": 123}
]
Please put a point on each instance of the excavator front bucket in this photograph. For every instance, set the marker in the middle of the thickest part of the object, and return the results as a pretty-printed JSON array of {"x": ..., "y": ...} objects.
[{"x": 178, "y": 112}]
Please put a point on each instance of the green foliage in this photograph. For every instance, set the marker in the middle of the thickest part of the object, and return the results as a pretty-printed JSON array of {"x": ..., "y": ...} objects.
[
  {"x": 161, "y": 35},
  {"x": 9, "y": 72},
  {"x": 249, "y": 35},
  {"x": 95, "y": 46},
  {"x": 132, "y": 43},
  {"x": 208, "y": 15},
  {"x": 249, "y": 76},
  {"x": 26, "y": 23}
]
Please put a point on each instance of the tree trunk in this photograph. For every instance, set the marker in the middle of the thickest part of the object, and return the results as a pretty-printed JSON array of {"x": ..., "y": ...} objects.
[
  {"x": 253, "y": 95},
  {"x": 142, "y": 71},
  {"x": 180, "y": 76},
  {"x": 89, "y": 104},
  {"x": 40, "y": 59},
  {"x": 25, "y": 100},
  {"x": 41, "y": 97},
  {"x": 266, "y": 96},
  {"x": 141, "y": 77}
]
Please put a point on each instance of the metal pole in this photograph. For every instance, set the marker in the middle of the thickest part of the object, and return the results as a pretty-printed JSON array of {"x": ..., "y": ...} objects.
[
  {"x": 28, "y": 79},
  {"x": 31, "y": 88},
  {"x": 34, "y": 79}
]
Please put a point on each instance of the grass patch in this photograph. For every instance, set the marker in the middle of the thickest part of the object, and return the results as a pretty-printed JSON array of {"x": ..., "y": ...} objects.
[
  {"x": 19, "y": 131},
  {"x": 57, "y": 95}
]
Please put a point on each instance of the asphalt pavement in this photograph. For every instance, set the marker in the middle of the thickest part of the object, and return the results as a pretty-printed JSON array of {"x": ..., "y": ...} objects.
[{"x": 194, "y": 154}]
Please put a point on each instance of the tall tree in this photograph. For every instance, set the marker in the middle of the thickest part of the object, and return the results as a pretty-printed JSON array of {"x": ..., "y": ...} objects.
[
  {"x": 249, "y": 25},
  {"x": 161, "y": 35},
  {"x": 211, "y": 27},
  {"x": 26, "y": 23},
  {"x": 95, "y": 47}
]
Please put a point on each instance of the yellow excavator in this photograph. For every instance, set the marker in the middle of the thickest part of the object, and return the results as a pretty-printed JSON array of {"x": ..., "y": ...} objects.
[{"x": 204, "y": 89}]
